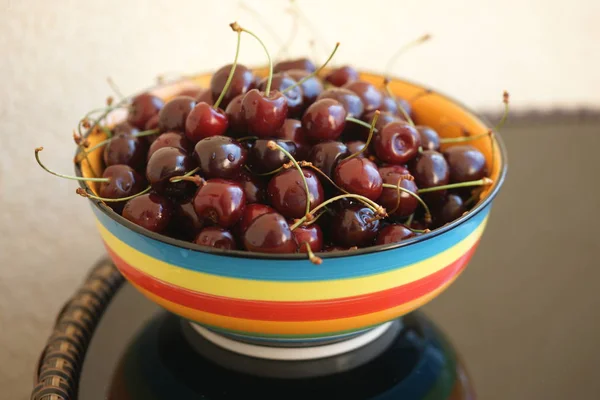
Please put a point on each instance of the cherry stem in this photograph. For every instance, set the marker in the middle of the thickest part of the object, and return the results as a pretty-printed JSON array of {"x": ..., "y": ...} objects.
[
  {"x": 409, "y": 220},
  {"x": 386, "y": 83},
  {"x": 505, "y": 100},
  {"x": 417, "y": 230},
  {"x": 104, "y": 142},
  {"x": 115, "y": 88},
  {"x": 413, "y": 194},
  {"x": 175, "y": 179},
  {"x": 274, "y": 146},
  {"x": 359, "y": 122},
  {"x": 312, "y": 74},
  {"x": 378, "y": 209},
  {"x": 75, "y": 178},
  {"x": 276, "y": 37},
  {"x": 312, "y": 221},
  {"x": 82, "y": 144},
  {"x": 400, "y": 179},
  {"x": 462, "y": 139},
  {"x": 232, "y": 70},
  {"x": 265, "y": 173},
  {"x": 83, "y": 193},
  {"x": 479, "y": 182},
  {"x": 311, "y": 256},
  {"x": 405, "y": 48},
  {"x": 236, "y": 27},
  {"x": 371, "y": 129}
]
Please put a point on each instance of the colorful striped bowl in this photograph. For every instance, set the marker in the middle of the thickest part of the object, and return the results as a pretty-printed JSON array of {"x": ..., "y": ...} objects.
[{"x": 285, "y": 299}]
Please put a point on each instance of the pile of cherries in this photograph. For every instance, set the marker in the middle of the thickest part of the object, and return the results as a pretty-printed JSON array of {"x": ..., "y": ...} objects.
[{"x": 283, "y": 164}]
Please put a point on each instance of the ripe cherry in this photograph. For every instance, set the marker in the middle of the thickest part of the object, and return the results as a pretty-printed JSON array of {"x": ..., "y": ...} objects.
[
  {"x": 185, "y": 223},
  {"x": 451, "y": 209},
  {"x": 251, "y": 212},
  {"x": 389, "y": 196},
  {"x": 237, "y": 125},
  {"x": 170, "y": 139},
  {"x": 254, "y": 188},
  {"x": 326, "y": 155},
  {"x": 350, "y": 100},
  {"x": 264, "y": 113},
  {"x": 242, "y": 82},
  {"x": 294, "y": 96},
  {"x": 360, "y": 176},
  {"x": 342, "y": 75},
  {"x": 214, "y": 236},
  {"x": 167, "y": 163},
  {"x": 371, "y": 96},
  {"x": 204, "y": 121},
  {"x": 396, "y": 143},
  {"x": 124, "y": 128},
  {"x": 220, "y": 201},
  {"x": 355, "y": 225},
  {"x": 124, "y": 182},
  {"x": 430, "y": 140},
  {"x": 311, "y": 87},
  {"x": 150, "y": 211},
  {"x": 303, "y": 64},
  {"x": 362, "y": 132},
  {"x": 125, "y": 149},
  {"x": 205, "y": 96},
  {"x": 431, "y": 169},
  {"x": 292, "y": 130},
  {"x": 261, "y": 159},
  {"x": 220, "y": 157},
  {"x": 393, "y": 233},
  {"x": 324, "y": 120},
  {"x": 311, "y": 234},
  {"x": 143, "y": 107},
  {"x": 390, "y": 104},
  {"x": 173, "y": 115},
  {"x": 466, "y": 163},
  {"x": 287, "y": 193},
  {"x": 357, "y": 146},
  {"x": 270, "y": 233}
]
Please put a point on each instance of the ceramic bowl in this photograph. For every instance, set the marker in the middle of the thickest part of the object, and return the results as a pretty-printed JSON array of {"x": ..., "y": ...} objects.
[{"x": 284, "y": 299}]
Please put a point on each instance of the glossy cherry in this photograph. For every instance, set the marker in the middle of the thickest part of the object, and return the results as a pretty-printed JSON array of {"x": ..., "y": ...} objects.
[
  {"x": 393, "y": 233},
  {"x": 303, "y": 64},
  {"x": 431, "y": 169},
  {"x": 311, "y": 234},
  {"x": 287, "y": 193},
  {"x": 143, "y": 107},
  {"x": 294, "y": 96},
  {"x": 466, "y": 163},
  {"x": 254, "y": 187},
  {"x": 292, "y": 130},
  {"x": 124, "y": 128},
  {"x": 217, "y": 237},
  {"x": 205, "y": 121},
  {"x": 350, "y": 100},
  {"x": 261, "y": 159},
  {"x": 237, "y": 125},
  {"x": 242, "y": 82},
  {"x": 355, "y": 225},
  {"x": 205, "y": 96},
  {"x": 451, "y": 209},
  {"x": 125, "y": 149},
  {"x": 173, "y": 115},
  {"x": 430, "y": 140},
  {"x": 185, "y": 223},
  {"x": 326, "y": 156},
  {"x": 150, "y": 211},
  {"x": 342, "y": 75},
  {"x": 220, "y": 201},
  {"x": 251, "y": 212},
  {"x": 354, "y": 146},
  {"x": 170, "y": 139},
  {"x": 371, "y": 96},
  {"x": 359, "y": 176},
  {"x": 362, "y": 132},
  {"x": 263, "y": 115},
  {"x": 324, "y": 120},
  {"x": 124, "y": 182},
  {"x": 396, "y": 143},
  {"x": 166, "y": 163},
  {"x": 389, "y": 197},
  {"x": 270, "y": 233},
  {"x": 220, "y": 157},
  {"x": 311, "y": 87},
  {"x": 390, "y": 104}
]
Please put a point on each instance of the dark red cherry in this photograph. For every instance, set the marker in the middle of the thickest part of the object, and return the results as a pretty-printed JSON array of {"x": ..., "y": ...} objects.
[
  {"x": 237, "y": 125},
  {"x": 124, "y": 182},
  {"x": 152, "y": 124},
  {"x": 242, "y": 82},
  {"x": 311, "y": 234},
  {"x": 185, "y": 223},
  {"x": 205, "y": 96},
  {"x": 342, "y": 75},
  {"x": 324, "y": 120},
  {"x": 287, "y": 193},
  {"x": 292, "y": 130},
  {"x": 311, "y": 88},
  {"x": 354, "y": 146},
  {"x": 362, "y": 133},
  {"x": 269, "y": 233},
  {"x": 214, "y": 236},
  {"x": 264, "y": 115},
  {"x": 303, "y": 64},
  {"x": 326, "y": 156},
  {"x": 254, "y": 188},
  {"x": 251, "y": 212},
  {"x": 261, "y": 159},
  {"x": 390, "y": 104},
  {"x": 360, "y": 176},
  {"x": 205, "y": 121},
  {"x": 124, "y": 128},
  {"x": 466, "y": 163},
  {"x": 166, "y": 163},
  {"x": 370, "y": 95},
  {"x": 151, "y": 211},
  {"x": 125, "y": 149},
  {"x": 393, "y": 234},
  {"x": 220, "y": 157},
  {"x": 355, "y": 225},
  {"x": 389, "y": 197},
  {"x": 173, "y": 115},
  {"x": 192, "y": 91},
  {"x": 143, "y": 107},
  {"x": 170, "y": 139},
  {"x": 350, "y": 100},
  {"x": 431, "y": 169},
  {"x": 430, "y": 140},
  {"x": 451, "y": 209},
  {"x": 220, "y": 201},
  {"x": 294, "y": 96},
  {"x": 396, "y": 143}
]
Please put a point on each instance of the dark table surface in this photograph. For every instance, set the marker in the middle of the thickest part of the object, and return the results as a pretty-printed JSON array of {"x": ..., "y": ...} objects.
[{"x": 524, "y": 315}]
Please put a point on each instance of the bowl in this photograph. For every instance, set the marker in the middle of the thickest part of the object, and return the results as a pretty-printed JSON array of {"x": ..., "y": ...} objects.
[{"x": 284, "y": 300}]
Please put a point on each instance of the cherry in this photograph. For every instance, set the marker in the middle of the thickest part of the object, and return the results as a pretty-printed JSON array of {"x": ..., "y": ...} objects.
[
  {"x": 342, "y": 75},
  {"x": 311, "y": 234},
  {"x": 466, "y": 163},
  {"x": 169, "y": 139},
  {"x": 326, "y": 155},
  {"x": 150, "y": 211},
  {"x": 391, "y": 103},
  {"x": 194, "y": 91},
  {"x": 355, "y": 225},
  {"x": 287, "y": 192},
  {"x": 185, "y": 223},
  {"x": 152, "y": 124},
  {"x": 264, "y": 113},
  {"x": 350, "y": 100},
  {"x": 251, "y": 212},
  {"x": 430, "y": 140},
  {"x": 124, "y": 182},
  {"x": 303, "y": 64},
  {"x": 291, "y": 130},
  {"x": 357, "y": 146},
  {"x": 311, "y": 87},
  {"x": 143, "y": 108},
  {"x": 205, "y": 97},
  {"x": 261, "y": 159},
  {"x": 294, "y": 96},
  {"x": 242, "y": 82},
  {"x": 389, "y": 196},
  {"x": 220, "y": 157},
  {"x": 125, "y": 149},
  {"x": 324, "y": 120},
  {"x": 254, "y": 188},
  {"x": 167, "y": 163},
  {"x": 360, "y": 176},
  {"x": 270, "y": 233},
  {"x": 371, "y": 96},
  {"x": 237, "y": 125},
  {"x": 124, "y": 128},
  {"x": 451, "y": 209},
  {"x": 431, "y": 169},
  {"x": 204, "y": 121},
  {"x": 397, "y": 143},
  {"x": 220, "y": 201},
  {"x": 362, "y": 132},
  {"x": 173, "y": 115},
  {"x": 214, "y": 236},
  {"x": 393, "y": 233}
]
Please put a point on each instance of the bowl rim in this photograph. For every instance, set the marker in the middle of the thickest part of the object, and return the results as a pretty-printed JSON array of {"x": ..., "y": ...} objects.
[{"x": 325, "y": 255}]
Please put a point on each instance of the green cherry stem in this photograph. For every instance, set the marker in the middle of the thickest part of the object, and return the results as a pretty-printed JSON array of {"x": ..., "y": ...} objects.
[
  {"x": 115, "y": 88},
  {"x": 359, "y": 122},
  {"x": 316, "y": 72},
  {"x": 417, "y": 230},
  {"x": 479, "y": 182},
  {"x": 104, "y": 142},
  {"x": 175, "y": 179},
  {"x": 236, "y": 27},
  {"x": 386, "y": 84},
  {"x": 409, "y": 220},
  {"x": 74, "y": 178},
  {"x": 233, "y": 66},
  {"x": 371, "y": 129},
  {"x": 83, "y": 193},
  {"x": 400, "y": 179},
  {"x": 311, "y": 256},
  {"x": 413, "y": 194}
]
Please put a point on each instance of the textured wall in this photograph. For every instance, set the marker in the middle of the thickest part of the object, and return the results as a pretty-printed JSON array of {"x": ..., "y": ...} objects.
[{"x": 55, "y": 56}]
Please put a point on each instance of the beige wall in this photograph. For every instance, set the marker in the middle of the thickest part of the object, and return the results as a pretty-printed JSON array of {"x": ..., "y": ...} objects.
[{"x": 55, "y": 56}]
